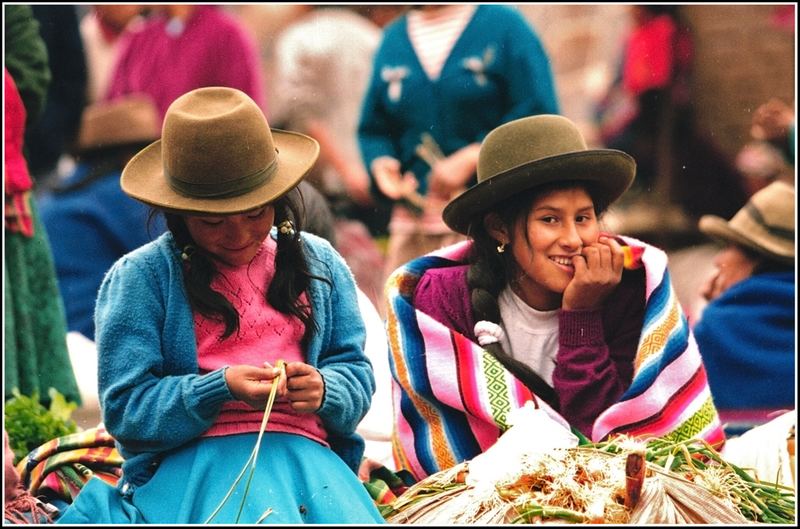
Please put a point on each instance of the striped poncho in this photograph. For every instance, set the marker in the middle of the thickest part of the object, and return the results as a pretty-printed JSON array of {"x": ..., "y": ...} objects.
[{"x": 452, "y": 398}]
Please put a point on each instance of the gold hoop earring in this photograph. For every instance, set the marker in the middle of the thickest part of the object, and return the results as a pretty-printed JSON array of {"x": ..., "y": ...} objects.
[{"x": 501, "y": 247}]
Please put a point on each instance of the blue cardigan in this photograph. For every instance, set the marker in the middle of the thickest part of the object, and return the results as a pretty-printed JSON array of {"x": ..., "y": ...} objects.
[
  {"x": 497, "y": 71},
  {"x": 151, "y": 394},
  {"x": 747, "y": 340}
]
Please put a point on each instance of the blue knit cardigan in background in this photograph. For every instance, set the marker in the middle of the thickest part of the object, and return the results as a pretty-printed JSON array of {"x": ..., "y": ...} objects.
[{"x": 497, "y": 71}]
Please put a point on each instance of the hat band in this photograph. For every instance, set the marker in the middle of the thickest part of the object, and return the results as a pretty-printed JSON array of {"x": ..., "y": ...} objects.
[
  {"x": 226, "y": 189},
  {"x": 780, "y": 233}
]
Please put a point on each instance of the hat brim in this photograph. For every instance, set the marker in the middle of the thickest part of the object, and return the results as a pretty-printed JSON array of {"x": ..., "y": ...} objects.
[
  {"x": 143, "y": 179},
  {"x": 612, "y": 170},
  {"x": 719, "y": 229}
]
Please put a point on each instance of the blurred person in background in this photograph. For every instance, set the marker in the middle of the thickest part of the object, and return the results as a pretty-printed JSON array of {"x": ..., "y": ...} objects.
[
  {"x": 442, "y": 78},
  {"x": 101, "y": 29},
  {"x": 48, "y": 138},
  {"x": 35, "y": 356},
  {"x": 182, "y": 47},
  {"x": 649, "y": 113},
  {"x": 318, "y": 90},
  {"x": 90, "y": 221},
  {"x": 653, "y": 84},
  {"x": 746, "y": 332},
  {"x": 770, "y": 154},
  {"x": 774, "y": 122}
]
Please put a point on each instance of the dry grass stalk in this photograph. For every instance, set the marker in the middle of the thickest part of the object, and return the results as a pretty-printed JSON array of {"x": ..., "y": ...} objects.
[{"x": 587, "y": 484}]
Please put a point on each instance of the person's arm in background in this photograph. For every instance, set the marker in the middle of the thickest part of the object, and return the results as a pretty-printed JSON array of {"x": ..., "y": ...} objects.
[
  {"x": 354, "y": 176},
  {"x": 377, "y": 138},
  {"x": 26, "y": 58},
  {"x": 774, "y": 122}
]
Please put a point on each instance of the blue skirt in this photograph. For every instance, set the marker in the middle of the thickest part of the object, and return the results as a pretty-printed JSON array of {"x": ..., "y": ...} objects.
[{"x": 296, "y": 481}]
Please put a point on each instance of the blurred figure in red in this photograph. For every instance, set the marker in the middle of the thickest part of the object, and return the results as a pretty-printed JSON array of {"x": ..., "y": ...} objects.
[
  {"x": 652, "y": 81},
  {"x": 183, "y": 47},
  {"x": 648, "y": 113}
]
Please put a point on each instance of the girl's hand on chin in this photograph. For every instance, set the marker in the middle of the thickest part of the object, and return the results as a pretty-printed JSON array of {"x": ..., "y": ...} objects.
[{"x": 598, "y": 271}]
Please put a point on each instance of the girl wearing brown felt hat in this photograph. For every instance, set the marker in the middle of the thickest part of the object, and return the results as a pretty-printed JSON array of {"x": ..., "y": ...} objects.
[
  {"x": 198, "y": 329},
  {"x": 540, "y": 305}
]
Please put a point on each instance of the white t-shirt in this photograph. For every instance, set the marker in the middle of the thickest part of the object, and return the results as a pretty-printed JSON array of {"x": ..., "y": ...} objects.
[
  {"x": 434, "y": 34},
  {"x": 531, "y": 336}
]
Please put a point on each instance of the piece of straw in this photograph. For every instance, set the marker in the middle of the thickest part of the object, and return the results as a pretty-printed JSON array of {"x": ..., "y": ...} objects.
[{"x": 281, "y": 365}]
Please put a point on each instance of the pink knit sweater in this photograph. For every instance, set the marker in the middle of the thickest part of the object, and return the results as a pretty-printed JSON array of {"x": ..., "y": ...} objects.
[{"x": 264, "y": 335}]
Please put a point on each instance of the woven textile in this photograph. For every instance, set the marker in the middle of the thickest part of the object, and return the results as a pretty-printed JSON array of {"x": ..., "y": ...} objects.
[
  {"x": 452, "y": 398},
  {"x": 62, "y": 466}
]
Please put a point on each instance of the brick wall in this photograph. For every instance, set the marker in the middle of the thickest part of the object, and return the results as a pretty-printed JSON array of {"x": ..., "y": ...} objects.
[{"x": 743, "y": 57}]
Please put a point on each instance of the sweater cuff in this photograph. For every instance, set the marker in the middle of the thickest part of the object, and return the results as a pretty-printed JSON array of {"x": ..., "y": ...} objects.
[
  {"x": 580, "y": 327},
  {"x": 211, "y": 389}
]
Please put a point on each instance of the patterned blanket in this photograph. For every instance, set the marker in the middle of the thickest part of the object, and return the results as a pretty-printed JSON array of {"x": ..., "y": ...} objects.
[
  {"x": 452, "y": 398},
  {"x": 59, "y": 468}
]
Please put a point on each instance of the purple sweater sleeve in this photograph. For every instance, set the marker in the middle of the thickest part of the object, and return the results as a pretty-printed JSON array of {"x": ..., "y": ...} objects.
[
  {"x": 594, "y": 363},
  {"x": 442, "y": 294}
]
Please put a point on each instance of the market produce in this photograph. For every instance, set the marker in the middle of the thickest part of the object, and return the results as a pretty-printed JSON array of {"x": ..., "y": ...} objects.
[{"x": 619, "y": 481}]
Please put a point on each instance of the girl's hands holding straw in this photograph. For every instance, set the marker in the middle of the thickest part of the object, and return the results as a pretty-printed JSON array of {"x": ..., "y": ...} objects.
[
  {"x": 251, "y": 384},
  {"x": 305, "y": 387}
]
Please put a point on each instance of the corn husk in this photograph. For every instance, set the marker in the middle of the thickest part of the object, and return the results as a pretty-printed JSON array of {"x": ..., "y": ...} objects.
[{"x": 669, "y": 499}]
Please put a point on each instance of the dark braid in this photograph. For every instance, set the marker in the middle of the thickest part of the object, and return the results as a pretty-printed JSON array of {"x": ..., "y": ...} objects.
[
  {"x": 487, "y": 275},
  {"x": 292, "y": 276},
  {"x": 198, "y": 272}
]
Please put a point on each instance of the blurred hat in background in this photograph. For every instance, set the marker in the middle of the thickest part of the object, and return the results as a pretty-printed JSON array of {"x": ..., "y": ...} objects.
[
  {"x": 765, "y": 224},
  {"x": 129, "y": 120}
]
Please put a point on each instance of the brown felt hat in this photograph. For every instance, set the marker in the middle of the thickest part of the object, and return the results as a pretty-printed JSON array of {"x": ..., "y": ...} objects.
[
  {"x": 217, "y": 155},
  {"x": 765, "y": 224},
  {"x": 528, "y": 152},
  {"x": 129, "y": 120}
]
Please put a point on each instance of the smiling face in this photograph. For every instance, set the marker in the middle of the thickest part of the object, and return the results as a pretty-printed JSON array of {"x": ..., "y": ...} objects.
[
  {"x": 558, "y": 225},
  {"x": 232, "y": 239}
]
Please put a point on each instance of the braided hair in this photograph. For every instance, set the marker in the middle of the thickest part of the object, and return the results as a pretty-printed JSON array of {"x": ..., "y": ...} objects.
[
  {"x": 292, "y": 276},
  {"x": 490, "y": 272}
]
